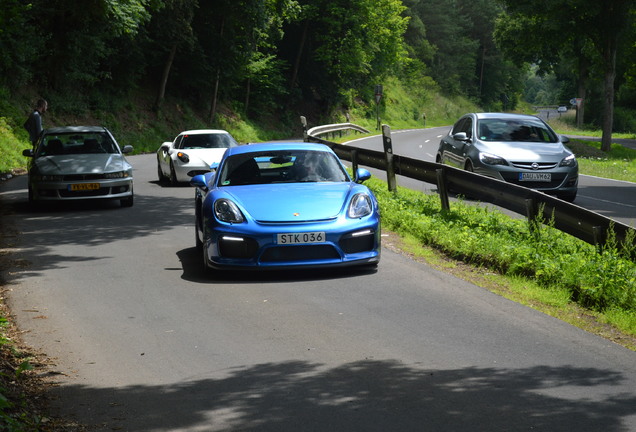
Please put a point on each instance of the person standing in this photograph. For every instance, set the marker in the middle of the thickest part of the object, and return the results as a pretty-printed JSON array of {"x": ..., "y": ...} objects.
[{"x": 33, "y": 124}]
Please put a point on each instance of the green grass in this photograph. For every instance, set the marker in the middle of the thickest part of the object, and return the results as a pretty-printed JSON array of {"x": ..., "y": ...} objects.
[
  {"x": 11, "y": 147},
  {"x": 565, "y": 125},
  {"x": 618, "y": 164}
]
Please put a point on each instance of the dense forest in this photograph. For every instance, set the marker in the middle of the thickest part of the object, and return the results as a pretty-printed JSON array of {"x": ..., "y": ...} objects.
[{"x": 266, "y": 58}]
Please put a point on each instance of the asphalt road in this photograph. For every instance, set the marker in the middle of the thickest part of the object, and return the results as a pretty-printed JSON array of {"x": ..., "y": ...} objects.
[{"x": 142, "y": 341}]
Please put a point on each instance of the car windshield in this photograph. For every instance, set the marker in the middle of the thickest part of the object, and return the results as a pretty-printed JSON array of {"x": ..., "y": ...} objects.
[
  {"x": 203, "y": 141},
  {"x": 289, "y": 166},
  {"x": 515, "y": 130},
  {"x": 76, "y": 143}
]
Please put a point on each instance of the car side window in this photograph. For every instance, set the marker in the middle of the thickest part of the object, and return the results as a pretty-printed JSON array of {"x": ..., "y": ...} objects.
[
  {"x": 458, "y": 126},
  {"x": 467, "y": 127}
]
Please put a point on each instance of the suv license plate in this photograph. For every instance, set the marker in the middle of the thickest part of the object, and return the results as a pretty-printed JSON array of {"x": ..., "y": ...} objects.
[
  {"x": 300, "y": 238},
  {"x": 537, "y": 177}
]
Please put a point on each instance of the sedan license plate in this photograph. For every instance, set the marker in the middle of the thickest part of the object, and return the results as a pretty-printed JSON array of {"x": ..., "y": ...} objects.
[
  {"x": 300, "y": 238},
  {"x": 537, "y": 177},
  {"x": 83, "y": 186}
]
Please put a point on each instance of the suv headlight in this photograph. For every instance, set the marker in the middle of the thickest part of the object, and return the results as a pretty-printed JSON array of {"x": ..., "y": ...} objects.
[
  {"x": 226, "y": 211},
  {"x": 491, "y": 159},
  {"x": 360, "y": 206},
  {"x": 569, "y": 161}
]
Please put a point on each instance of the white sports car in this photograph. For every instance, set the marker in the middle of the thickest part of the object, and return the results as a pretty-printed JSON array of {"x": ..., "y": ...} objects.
[{"x": 191, "y": 151}]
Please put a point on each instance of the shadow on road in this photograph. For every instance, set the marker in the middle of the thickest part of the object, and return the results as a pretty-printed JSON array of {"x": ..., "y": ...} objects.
[{"x": 367, "y": 395}]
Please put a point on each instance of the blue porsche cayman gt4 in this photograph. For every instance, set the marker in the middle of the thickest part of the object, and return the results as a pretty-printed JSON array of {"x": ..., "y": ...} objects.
[{"x": 284, "y": 205}]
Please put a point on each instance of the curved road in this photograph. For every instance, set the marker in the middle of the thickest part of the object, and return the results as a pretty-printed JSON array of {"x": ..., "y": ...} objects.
[{"x": 142, "y": 341}]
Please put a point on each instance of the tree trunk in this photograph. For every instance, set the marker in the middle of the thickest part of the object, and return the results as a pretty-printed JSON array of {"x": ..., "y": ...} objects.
[
  {"x": 299, "y": 54},
  {"x": 609, "y": 55},
  {"x": 214, "y": 96},
  {"x": 248, "y": 87},
  {"x": 164, "y": 77},
  {"x": 216, "y": 83},
  {"x": 582, "y": 93}
]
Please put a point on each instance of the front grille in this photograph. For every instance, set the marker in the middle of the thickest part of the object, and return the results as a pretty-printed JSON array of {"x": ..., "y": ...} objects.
[
  {"x": 529, "y": 165},
  {"x": 300, "y": 253},
  {"x": 81, "y": 177}
]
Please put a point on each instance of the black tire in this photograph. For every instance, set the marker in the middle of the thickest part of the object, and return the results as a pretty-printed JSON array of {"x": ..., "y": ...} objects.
[
  {"x": 162, "y": 177},
  {"x": 197, "y": 243},
  {"x": 173, "y": 175},
  {"x": 207, "y": 271},
  {"x": 128, "y": 202}
]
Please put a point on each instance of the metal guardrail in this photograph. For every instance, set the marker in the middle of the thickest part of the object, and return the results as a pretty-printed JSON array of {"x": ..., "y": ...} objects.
[
  {"x": 338, "y": 128},
  {"x": 579, "y": 222}
]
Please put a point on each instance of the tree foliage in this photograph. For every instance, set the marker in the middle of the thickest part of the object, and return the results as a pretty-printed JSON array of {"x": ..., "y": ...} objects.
[
  {"x": 589, "y": 31},
  {"x": 263, "y": 57}
]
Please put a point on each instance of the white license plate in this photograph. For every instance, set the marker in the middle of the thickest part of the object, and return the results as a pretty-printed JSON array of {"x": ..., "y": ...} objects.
[
  {"x": 537, "y": 177},
  {"x": 301, "y": 238}
]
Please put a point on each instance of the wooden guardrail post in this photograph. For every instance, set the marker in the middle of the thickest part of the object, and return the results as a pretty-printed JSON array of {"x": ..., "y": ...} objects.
[
  {"x": 354, "y": 164},
  {"x": 532, "y": 215},
  {"x": 599, "y": 237},
  {"x": 388, "y": 152},
  {"x": 442, "y": 189}
]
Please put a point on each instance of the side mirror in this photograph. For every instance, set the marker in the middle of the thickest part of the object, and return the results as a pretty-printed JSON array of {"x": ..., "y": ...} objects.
[
  {"x": 198, "y": 181},
  {"x": 362, "y": 175},
  {"x": 461, "y": 136},
  {"x": 565, "y": 139},
  {"x": 127, "y": 149},
  {"x": 165, "y": 146},
  {"x": 27, "y": 152}
]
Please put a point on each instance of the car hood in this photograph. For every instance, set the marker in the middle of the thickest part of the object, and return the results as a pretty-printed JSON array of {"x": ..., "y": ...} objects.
[
  {"x": 80, "y": 164},
  {"x": 525, "y": 151},
  {"x": 204, "y": 156},
  {"x": 292, "y": 202}
]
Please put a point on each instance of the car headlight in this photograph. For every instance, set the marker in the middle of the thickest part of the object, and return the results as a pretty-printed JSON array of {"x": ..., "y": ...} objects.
[
  {"x": 183, "y": 157},
  {"x": 569, "y": 161},
  {"x": 491, "y": 159},
  {"x": 116, "y": 175},
  {"x": 360, "y": 206},
  {"x": 226, "y": 211}
]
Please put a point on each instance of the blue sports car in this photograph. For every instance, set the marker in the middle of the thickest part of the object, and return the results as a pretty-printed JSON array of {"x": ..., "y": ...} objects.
[{"x": 274, "y": 206}]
